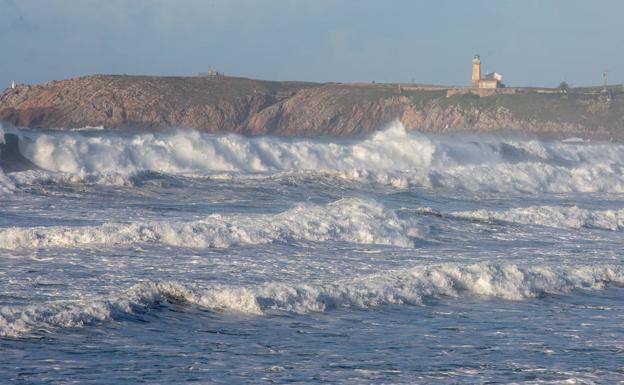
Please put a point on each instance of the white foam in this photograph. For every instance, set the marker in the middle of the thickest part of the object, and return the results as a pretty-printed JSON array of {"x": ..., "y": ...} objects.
[
  {"x": 552, "y": 216},
  {"x": 351, "y": 220},
  {"x": 16, "y": 321},
  {"x": 190, "y": 151},
  {"x": 6, "y": 185},
  {"x": 410, "y": 286},
  {"x": 87, "y": 128},
  {"x": 392, "y": 156}
]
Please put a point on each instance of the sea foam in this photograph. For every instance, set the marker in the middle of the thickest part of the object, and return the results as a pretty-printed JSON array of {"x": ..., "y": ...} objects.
[
  {"x": 6, "y": 184},
  {"x": 409, "y": 286},
  {"x": 349, "y": 219},
  {"x": 392, "y": 156},
  {"x": 552, "y": 216}
]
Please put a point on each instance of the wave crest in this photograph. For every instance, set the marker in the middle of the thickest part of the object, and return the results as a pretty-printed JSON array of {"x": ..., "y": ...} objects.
[
  {"x": 552, "y": 216},
  {"x": 350, "y": 220},
  {"x": 410, "y": 286},
  {"x": 392, "y": 156}
]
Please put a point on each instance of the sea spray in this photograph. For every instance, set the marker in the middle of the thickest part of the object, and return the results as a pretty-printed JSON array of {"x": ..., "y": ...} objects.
[{"x": 392, "y": 157}]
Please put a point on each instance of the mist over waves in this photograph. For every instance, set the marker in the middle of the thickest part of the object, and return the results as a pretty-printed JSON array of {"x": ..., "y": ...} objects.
[{"x": 392, "y": 157}]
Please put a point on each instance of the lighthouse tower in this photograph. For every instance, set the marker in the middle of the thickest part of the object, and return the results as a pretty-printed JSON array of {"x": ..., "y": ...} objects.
[{"x": 476, "y": 70}]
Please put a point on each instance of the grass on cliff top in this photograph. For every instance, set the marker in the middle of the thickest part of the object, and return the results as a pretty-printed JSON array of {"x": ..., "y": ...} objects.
[
  {"x": 204, "y": 89},
  {"x": 374, "y": 92},
  {"x": 540, "y": 106}
]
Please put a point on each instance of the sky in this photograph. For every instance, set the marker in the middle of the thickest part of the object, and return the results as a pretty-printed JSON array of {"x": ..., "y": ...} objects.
[{"x": 531, "y": 42}]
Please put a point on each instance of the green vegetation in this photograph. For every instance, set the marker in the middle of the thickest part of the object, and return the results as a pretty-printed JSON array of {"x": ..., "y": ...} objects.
[
  {"x": 204, "y": 89},
  {"x": 421, "y": 98},
  {"x": 554, "y": 106},
  {"x": 373, "y": 92},
  {"x": 366, "y": 93}
]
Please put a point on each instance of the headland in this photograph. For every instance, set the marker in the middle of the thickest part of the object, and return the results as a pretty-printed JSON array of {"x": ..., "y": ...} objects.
[{"x": 223, "y": 104}]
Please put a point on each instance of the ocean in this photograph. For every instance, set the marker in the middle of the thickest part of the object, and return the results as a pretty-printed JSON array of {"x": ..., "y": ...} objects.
[{"x": 402, "y": 258}]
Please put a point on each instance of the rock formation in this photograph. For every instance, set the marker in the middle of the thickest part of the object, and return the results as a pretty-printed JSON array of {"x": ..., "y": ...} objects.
[{"x": 253, "y": 107}]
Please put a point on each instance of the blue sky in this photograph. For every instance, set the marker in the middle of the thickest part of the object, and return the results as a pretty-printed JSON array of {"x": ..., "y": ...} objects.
[{"x": 531, "y": 42}]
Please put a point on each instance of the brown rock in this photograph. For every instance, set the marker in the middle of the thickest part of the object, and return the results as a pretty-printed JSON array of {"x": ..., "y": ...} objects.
[{"x": 253, "y": 107}]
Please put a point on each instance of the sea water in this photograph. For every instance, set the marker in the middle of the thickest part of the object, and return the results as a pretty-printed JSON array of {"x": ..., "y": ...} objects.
[{"x": 402, "y": 258}]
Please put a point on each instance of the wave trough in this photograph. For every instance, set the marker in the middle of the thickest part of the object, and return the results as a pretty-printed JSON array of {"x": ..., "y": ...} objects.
[{"x": 6, "y": 185}]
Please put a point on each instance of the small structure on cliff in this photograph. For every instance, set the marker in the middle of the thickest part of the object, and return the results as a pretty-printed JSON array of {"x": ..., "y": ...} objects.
[
  {"x": 490, "y": 80},
  {"x": 211, "y": 73},
  {"x": 13, "y": 85}
]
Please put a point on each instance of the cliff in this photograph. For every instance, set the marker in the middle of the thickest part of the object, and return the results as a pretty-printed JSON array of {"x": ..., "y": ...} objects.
[{"x": 253, "y": 107}]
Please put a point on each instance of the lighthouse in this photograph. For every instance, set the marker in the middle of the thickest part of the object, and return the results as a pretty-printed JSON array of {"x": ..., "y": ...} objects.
[
  {"x": 490, "y": 80},
  {"x": 476, "y": 70},
  {"x": 13, "y": 85}
]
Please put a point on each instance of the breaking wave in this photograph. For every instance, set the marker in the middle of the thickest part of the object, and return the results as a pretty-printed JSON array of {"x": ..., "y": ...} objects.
[
  {"x": 350, "y": 220},
  {"x": 6, "y": 185},
  {"x": 392, "y": 156},
  {"x": 410, "y": 286},
  {"x": 552, "y": 216}
]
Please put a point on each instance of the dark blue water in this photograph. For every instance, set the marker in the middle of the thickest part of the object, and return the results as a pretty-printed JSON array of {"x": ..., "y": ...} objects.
[{"x": 402, "y": 258}]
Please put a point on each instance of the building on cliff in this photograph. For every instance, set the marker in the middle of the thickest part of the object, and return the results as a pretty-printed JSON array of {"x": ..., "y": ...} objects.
[
  {"x": 490, "y": 80},
  {"x": 211, "y": 73}
]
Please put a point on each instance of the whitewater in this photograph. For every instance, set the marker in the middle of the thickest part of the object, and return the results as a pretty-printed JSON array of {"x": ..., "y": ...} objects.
[{"x": 398, "y": 258}]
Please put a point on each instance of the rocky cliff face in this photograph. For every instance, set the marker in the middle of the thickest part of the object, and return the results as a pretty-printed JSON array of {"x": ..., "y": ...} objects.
[{"x": 252, "y": 107}]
